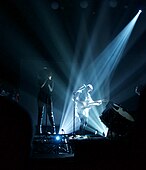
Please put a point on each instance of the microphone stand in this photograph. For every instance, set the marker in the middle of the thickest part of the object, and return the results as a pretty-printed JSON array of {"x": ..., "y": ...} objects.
[
  {"x": 74, "y": 96},
  {"x": 74, "y": 134}
]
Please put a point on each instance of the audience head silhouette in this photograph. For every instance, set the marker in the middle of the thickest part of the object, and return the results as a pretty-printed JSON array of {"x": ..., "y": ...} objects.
[{"x": 16, "y": 134}]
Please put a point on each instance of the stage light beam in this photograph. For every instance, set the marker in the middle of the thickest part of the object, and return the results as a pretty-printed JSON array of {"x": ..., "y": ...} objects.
[{"x": 104, "y": 66}]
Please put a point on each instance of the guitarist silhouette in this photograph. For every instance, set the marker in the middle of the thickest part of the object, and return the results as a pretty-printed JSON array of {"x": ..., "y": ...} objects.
[{"x": 83, "y": 103}]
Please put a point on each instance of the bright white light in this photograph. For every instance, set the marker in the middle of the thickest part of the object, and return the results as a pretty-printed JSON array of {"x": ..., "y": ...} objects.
[
  {"x": 140, "y": 11},
  {"x": 57, "y": 138}
]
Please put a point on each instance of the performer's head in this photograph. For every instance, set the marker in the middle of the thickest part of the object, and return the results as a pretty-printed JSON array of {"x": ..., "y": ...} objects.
[
  {"x": 47, "y": 73},
  {"x": 89, "y": 88}
]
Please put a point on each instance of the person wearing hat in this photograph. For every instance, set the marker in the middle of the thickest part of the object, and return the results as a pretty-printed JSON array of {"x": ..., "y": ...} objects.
[{"x": 82, "y": 108}]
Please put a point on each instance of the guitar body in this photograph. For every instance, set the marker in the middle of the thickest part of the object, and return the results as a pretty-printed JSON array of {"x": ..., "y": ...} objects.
[
  {"x": 84, "y": 104},
  {"x": 83, "y": 107}
]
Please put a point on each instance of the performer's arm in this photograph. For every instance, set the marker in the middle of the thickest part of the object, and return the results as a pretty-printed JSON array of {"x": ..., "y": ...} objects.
[
  {"x": 51, "y": 84},
  {"x": 44, "y": 83}
]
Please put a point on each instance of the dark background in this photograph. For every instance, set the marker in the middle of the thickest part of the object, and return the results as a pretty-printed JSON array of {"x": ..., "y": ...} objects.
[{"x": 35, "y": 33}]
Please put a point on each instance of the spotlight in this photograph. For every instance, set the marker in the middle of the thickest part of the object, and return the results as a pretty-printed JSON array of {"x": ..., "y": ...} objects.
[
  {"x": 140, "y": 11},
  {"x": 58, "y": 138}
]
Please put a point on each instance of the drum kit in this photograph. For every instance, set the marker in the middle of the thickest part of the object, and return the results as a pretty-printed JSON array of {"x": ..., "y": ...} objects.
[{"x": 117, "y": 119}]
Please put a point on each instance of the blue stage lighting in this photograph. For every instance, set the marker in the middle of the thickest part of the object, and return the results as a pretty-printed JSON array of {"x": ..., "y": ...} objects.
[{"x": 58, "y": 138}]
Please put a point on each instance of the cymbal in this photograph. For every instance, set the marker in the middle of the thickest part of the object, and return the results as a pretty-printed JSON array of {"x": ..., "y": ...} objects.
[{"x": 123, "y": 113}]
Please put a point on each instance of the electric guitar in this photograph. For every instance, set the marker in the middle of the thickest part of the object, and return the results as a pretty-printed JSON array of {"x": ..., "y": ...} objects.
[{"x": 84, "y": 104}]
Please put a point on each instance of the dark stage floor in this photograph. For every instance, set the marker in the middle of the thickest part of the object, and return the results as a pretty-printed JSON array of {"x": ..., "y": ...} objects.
[{"x": 85, "y": 152}]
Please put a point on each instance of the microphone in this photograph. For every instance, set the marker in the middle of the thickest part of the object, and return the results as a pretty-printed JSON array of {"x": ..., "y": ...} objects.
[{"x": 82, "y": 87}]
